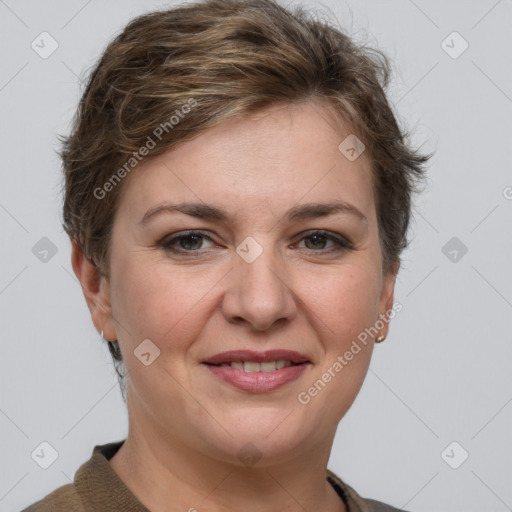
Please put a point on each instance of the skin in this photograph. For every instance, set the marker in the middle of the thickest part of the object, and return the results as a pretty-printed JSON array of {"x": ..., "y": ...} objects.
[{"x": 186, "y": 427}]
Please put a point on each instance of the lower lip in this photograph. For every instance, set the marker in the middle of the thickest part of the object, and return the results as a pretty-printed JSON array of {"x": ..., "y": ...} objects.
[{"x": 258, "y": 382}]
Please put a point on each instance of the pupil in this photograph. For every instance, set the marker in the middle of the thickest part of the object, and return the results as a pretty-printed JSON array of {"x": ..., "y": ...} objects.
[
  {"x": 185, "y": 242},
  {"x": 318, "y": 238}
]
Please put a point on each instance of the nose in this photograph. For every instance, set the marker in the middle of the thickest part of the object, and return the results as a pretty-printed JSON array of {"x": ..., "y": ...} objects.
[{"x": 258, "y": 293}]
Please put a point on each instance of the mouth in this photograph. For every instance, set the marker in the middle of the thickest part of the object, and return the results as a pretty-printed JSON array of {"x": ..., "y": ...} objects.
[
  {"x": 254, "y": 361},
  {"x": 258, "y": 371},
  {"x": 254, "y": 366}
]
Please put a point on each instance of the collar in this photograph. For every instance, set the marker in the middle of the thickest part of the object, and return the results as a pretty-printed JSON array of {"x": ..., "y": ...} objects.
[
  {"x": 99, "y": 487},
  {"x": 101, "y": 490}
]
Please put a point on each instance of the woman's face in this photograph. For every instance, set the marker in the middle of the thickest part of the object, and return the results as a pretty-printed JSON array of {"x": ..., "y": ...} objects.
[{"x": 262, "y": 271}]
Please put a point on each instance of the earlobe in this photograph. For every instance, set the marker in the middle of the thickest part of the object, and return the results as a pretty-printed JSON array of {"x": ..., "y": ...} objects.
[{"x": 95, "y": 289}]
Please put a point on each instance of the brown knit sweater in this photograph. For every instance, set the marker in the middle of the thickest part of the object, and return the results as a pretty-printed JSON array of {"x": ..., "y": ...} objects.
[{"x": 97, "y": 488}]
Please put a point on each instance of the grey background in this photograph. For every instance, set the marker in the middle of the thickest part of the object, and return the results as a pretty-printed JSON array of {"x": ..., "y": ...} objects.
[{"x": 444, "y": 373}]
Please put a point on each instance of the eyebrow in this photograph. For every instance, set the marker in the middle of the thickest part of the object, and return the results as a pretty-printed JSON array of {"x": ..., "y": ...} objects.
[{"x": 297, "y": 213}]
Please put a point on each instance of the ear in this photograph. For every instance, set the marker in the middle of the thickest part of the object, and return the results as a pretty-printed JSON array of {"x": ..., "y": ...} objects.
[
  {"x": 387, "y": 296},
  {"x": 96, "y": 292}
]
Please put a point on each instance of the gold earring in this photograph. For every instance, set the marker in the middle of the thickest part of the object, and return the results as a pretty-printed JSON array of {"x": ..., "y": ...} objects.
[{"x": 380, "y": 339}]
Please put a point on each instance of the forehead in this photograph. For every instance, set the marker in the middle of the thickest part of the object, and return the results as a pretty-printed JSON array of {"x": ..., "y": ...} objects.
[{"x": 281, "y": 155}]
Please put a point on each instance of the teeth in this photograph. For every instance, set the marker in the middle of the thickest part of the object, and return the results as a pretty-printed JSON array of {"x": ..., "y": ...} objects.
[
  {"x": 252, "y": 366},
  {"x": 268, "y": 366}
]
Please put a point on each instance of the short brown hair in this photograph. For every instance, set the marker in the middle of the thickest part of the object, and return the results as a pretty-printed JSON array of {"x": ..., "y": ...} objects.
[{"x": 226, "y": 58}]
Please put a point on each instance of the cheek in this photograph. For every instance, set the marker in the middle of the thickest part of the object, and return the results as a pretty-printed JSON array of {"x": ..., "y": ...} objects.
[
  {"x": 343, "y": 307},
  {"x": 346, "y": 301},
  {"x": 163, "y": 304}
]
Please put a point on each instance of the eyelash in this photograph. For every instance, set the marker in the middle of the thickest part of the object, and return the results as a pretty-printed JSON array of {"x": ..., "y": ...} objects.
[{"x": 341, "y": 243}]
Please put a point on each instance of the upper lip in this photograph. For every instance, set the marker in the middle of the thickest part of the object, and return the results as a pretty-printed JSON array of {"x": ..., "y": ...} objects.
[{"x": 259, "y": 357}]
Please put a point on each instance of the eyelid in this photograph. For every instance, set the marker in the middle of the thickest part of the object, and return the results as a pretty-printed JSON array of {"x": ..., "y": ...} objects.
[
  {"x": 184, "y": 234},
  {"x": 341, "y": 242}
]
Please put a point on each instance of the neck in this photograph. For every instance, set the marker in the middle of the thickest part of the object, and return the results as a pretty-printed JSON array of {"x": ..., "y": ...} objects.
[{"x": 167, "y": 476}]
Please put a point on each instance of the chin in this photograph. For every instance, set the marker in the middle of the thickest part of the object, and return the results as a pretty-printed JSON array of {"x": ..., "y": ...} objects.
[{"x": 265, "y": 435}]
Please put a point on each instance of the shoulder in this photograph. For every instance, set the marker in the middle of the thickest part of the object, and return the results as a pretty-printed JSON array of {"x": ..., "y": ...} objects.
[
  {"x": 63, "y": 499},
  {"x": 355, "y": 502},
  {"x": 95, "y": 487}
]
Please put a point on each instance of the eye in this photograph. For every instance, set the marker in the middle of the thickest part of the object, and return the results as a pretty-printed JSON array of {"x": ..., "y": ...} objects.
[
  {"x": 192, "y": 242},
  {"x": 188, "y": 242},
  {"x": 316, "y": 241}
]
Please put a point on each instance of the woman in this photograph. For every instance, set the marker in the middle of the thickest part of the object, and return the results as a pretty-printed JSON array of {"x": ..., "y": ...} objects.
[{"x": 237, "y": 195}]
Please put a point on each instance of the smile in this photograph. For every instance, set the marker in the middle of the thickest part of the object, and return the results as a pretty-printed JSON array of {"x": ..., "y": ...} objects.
[
  {"x": 257, "y": 372},
  {"x": 254, "y": 366}
]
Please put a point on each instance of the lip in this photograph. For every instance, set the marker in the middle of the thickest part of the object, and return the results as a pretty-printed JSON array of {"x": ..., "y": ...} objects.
[
  {"x": 258, "y": 357},
  {"x": 257, "y": 382}
]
